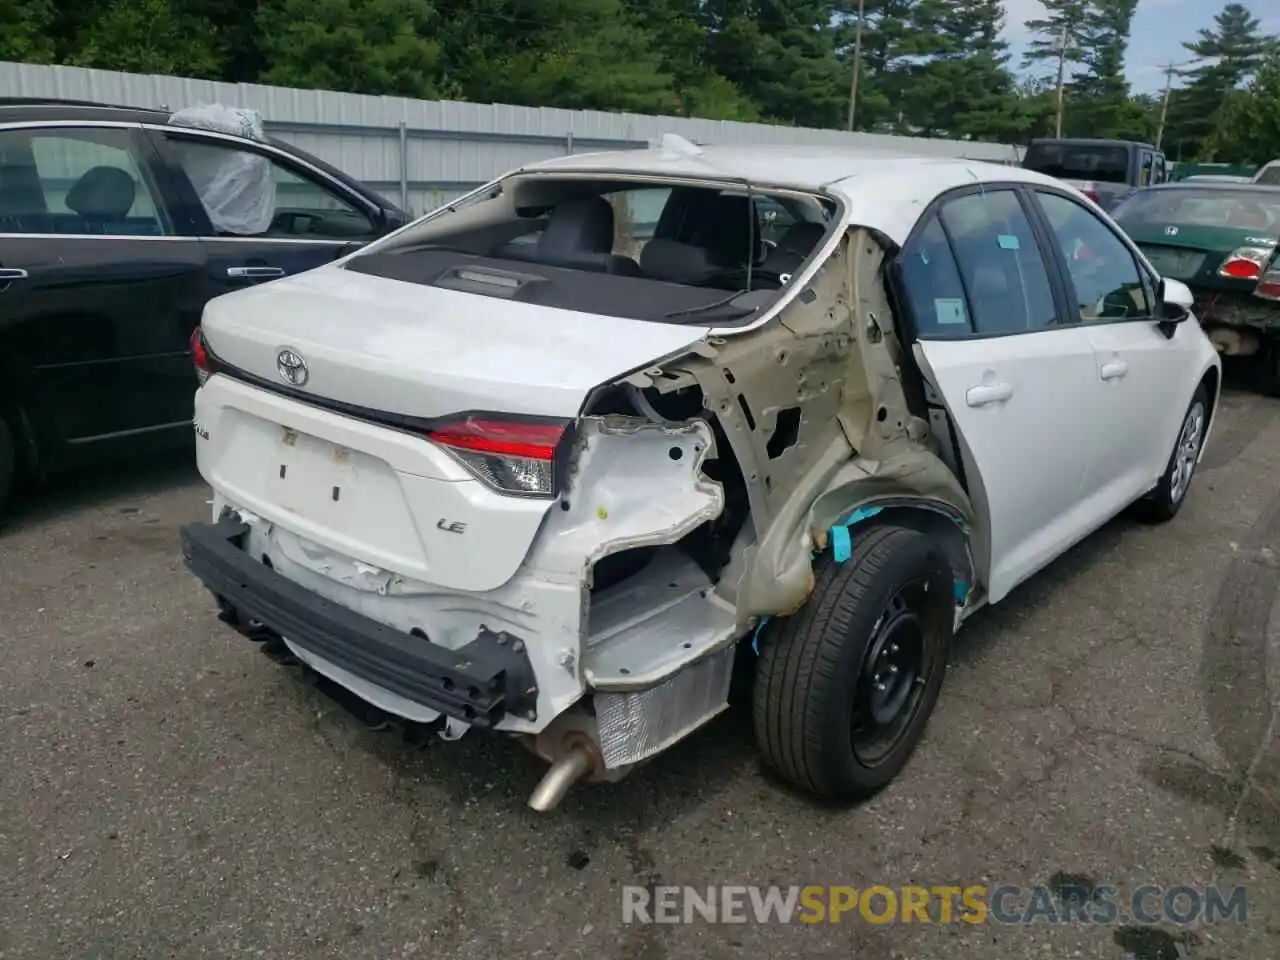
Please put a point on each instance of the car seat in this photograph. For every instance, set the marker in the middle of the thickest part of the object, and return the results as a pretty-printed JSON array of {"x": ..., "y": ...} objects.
[
  {"x": 579, "y": 235},
  {"x": 102, "y": 198}
]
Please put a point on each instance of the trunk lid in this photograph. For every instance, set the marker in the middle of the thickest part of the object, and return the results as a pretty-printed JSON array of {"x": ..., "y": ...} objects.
[
  {"x": 422, "y": 351},
  {"x": 390, "y": 504},
  {"x": 1193, "y": 254}
]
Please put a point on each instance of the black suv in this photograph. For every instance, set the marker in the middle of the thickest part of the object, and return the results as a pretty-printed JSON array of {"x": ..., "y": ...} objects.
[{"x": 115, "y": 230}]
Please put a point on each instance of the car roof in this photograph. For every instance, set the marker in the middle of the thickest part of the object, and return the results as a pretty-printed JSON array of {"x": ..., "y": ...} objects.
[
  {"x": 30, "y": 109},
  {"x": 882, "y": 188},
  {"x": 1092, "y": 142},
  {"x": 1225, "y": 186}
]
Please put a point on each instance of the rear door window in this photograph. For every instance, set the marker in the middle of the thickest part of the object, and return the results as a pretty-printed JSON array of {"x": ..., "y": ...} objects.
[
  {"x": 932, "y": 282},
  {"x": 77, "y": 181},
  {"x": 977, "y": 268},
  {"x": 1000, "y": 263}
]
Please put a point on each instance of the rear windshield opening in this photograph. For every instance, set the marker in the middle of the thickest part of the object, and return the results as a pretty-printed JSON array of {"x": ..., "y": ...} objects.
[
  {"x": 641, "y": 250},
  {"x": 1203, "y": 207},
  {"x": 1079, "y": 162}
]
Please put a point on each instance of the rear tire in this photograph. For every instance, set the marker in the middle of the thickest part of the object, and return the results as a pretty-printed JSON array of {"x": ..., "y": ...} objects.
[
  {"x": 1163, "y": 503},
  {"x": 844, "y": 688}
]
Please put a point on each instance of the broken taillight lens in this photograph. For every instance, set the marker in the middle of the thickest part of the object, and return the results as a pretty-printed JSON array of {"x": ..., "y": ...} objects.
[
  {"x": 200, "y": 356},
  {"x": 511, "y": 456},
  {"x": 1245, "y": 263}
]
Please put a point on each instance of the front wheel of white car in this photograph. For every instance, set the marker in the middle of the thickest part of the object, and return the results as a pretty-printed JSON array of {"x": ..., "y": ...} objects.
[
  {"x": 845, "y": 687},
  {"x": 1164, "y": 502}
]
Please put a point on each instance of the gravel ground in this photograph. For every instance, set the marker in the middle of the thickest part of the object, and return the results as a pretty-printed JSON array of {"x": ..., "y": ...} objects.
[{"x": 167, "y": 791}]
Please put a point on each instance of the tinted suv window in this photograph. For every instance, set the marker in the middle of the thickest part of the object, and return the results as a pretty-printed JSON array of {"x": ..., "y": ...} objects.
[
  {"x": 1079, "y": 161},
  {"x": 75, "y": 182},
  {"x": 1103, "y": 271},
  {"x": 1004, "y": 275},
  {"x": 249, "y": 194}
]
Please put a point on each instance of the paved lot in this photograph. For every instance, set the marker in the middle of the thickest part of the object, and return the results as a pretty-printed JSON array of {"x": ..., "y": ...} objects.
[{"x": 166, "y": 791}]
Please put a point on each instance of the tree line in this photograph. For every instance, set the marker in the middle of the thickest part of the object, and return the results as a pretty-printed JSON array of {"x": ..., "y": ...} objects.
[{"x": 927, "y": 67}]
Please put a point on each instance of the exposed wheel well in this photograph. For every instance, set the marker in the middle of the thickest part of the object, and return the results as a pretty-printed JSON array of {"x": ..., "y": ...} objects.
[{"x": 934, "y": 525}]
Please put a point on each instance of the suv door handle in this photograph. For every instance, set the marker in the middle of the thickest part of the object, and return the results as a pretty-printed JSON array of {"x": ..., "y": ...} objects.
[
  {"x": 10, "y": 274},
  {"x": 1113, "y": 369},
  {"x": 254, "y": 273},
  {"x": 986, "y": 393}
]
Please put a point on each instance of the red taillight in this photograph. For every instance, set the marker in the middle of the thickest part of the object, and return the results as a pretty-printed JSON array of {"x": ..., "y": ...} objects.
[
  {"x": 1092, "y": 195},
  {"x": 1268, "y": 287},
  {"x": 200, "y": 356},
  {"x": 1246, "y": 263},
  {"x": 511, "y": 456},
  {"x": 1240, "y": 269}
]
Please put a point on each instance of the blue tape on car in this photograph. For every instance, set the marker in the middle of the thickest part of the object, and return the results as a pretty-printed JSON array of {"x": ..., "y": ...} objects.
[
  {"x": 755, "y": 639},
  {"x": 1007, "y": 241},
  {"x": 961, "y": 591},
  {"x": 841, "y": 544}
]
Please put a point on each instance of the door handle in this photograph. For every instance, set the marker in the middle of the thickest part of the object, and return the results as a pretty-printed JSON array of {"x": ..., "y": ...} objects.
[
  {"x": 10, "y": 274},
  {"x": 254, "y": 273},
  {"x": 1113, "y": 369},
  {"x": 985, "y": 393}
]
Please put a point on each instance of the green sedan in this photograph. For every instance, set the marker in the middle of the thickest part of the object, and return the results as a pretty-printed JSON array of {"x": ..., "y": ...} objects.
[{"x": 1219, "y": 239}]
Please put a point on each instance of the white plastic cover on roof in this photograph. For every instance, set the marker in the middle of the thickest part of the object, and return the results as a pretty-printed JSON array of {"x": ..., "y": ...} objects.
[{"x": 235, "y": 186}]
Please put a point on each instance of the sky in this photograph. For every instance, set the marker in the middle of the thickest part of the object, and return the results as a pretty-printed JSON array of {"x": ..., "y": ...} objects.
[{"x": 1159, "y": 29}]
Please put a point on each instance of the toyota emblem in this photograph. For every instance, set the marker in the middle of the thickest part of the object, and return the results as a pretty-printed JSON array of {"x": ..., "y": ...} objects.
[
  {"x": 291, "y": 367},
  {"x": 1170, "y": 231}
]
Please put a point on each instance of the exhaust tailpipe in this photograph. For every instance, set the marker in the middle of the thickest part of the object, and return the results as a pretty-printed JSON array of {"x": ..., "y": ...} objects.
[{"x": 571, "y": 767}]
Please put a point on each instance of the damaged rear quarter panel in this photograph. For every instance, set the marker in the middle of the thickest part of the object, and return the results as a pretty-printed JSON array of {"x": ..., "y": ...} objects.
[{"x": 813, "y": 406}]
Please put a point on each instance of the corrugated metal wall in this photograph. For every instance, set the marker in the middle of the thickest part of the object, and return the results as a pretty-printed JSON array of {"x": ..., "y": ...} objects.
[{"x": 424, "y": 152}]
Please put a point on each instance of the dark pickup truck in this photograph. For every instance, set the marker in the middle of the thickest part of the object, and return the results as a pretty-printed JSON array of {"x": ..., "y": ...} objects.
[{"x": 1106, "y": 171}]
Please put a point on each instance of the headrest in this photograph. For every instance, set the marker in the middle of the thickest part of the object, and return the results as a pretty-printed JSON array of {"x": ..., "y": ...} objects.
[
  {"x": 577, "y": 226},
  {"x": 801, "y": 238},
  {"x": 674, "y": 262},
  {"x": 725, "y": 225},
  {"x": 103, "y": 193}
]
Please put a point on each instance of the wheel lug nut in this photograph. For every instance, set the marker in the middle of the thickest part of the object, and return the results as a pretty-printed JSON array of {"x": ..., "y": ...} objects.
[
  {"x": 880, "y": 687},
  {"x": 893, "y": 668}
]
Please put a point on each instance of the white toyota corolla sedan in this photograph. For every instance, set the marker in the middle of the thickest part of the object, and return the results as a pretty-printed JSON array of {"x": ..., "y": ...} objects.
[{"x": 548, "y": 459}]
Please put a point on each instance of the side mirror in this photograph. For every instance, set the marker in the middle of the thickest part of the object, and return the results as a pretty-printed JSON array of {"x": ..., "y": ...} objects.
[{"x": 1175, "y": 300}]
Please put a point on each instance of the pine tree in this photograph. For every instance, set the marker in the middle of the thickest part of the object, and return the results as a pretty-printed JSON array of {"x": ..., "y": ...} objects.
[
  {"x": 1235, "y": 46},
  {"x": 782, "y": 54},
  {"x": 1058, "y": 36},
  {"x": 966, "y": 90},
  {"x": 1100, "y": 102}
]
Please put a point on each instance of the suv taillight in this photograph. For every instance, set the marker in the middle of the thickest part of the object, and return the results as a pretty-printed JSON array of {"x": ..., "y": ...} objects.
[
  {"x": 200, "y": 356},
  {"x": 511, "y": 456},
  {"x": 1245, "y": 263}
]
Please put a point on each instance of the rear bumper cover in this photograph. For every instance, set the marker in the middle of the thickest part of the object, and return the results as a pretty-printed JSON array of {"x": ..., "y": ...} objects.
[{"x": 478, "y": 683}]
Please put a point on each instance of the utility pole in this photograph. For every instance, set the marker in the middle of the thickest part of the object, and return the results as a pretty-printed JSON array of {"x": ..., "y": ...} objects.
[
  {"x": 1062, "y": 67},
  {"x": 1169, "y": 69},
  {"x": 857, "y": 65}
]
